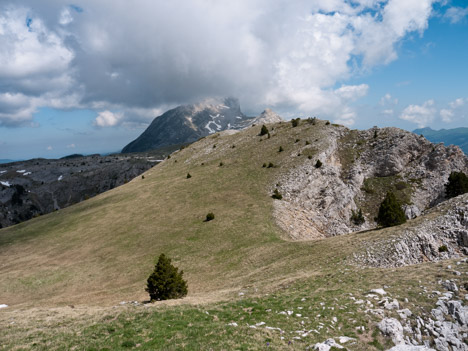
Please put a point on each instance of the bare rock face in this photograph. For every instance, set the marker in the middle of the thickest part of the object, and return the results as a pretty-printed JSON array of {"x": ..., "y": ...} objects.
[
  {"x": 358, "y": 168},
  {"x": 442, "y": 237},
  {"x": 266, "y": 117}
]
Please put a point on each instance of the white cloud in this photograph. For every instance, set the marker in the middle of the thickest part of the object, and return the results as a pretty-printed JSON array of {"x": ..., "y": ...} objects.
[
  {"x": 456, "y": 14},
  {"x": 388, "y": 100},
  {"x": 422, "y": 115},
  {"x": 388, "y": 112},
  {"x": 49, "y": 148},
  {"x": 266, "y": 52},
  {"x": 71, "y": 146},
  {"x": 107, "y": 119},
  {"x": 446, "y": 115},
  {"x": 457, "y": 103}
]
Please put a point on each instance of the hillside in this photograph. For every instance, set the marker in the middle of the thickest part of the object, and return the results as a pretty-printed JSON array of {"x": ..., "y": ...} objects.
[
  {"x": 455, "y": 136},
  {"x": 254, "y": 282}
]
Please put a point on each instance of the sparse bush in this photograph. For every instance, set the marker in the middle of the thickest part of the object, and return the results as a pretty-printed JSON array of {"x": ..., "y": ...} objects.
[
  {"x": 142, "y": 177},
  {"x": 307, "y": 142},
  {"x": 189, "y": 175},
  {"x": 168, "y": 157},
  {"x": 357, "y": 218},
  {"x": 269, "y": 136},
  {"x": 271, "y": 165},
  {"x": 276, "y": 195},
  {"x": 221, "y": 164},
  {"x": 457, "y": 184},
  {"x": 209, "y": 217},
  {"x": 327, "y": 123},
  {"x": 166, "y": 282},
  {"x": 309, "y": 157},
  {"x": 214, "y": 146},
  {"x": 318, "y": 164},
  {"x": 280, "y": 149},
  {"x": 263, "y": 131},
  {"x": 390, "y": 212},
  {"x": 375, "y": 134},
  {"x": 128, "y": 343},
  {"x": 443, "y": 248},
  {"x": 295, "y": 122},
  {"x": 264, "y": 165},
  {"x": 298, "y": 140}
]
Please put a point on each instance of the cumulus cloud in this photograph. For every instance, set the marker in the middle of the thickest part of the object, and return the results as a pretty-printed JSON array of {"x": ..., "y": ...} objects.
[
  {"x": 448, "y": 114},
  {"x": 108, "y": 119},
  {"x": 278, "y": 53},
  {"x": 422, "y": 115}
]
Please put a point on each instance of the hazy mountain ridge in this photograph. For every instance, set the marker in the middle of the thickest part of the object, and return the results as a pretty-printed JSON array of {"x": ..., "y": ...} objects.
[{"x": 455, "y": 136}]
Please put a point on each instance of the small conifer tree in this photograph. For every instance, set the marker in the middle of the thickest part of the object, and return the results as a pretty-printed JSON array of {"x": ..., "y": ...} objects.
[
  {"x": 209, "y": 217},
  {"x": 357, "y": 218},
  {"x": 280, "y": 149},
  {"x": 390, "y": 212},
  {"x": 166, "y": 282},
  {"x": 457, "y": 184},
  {"x": 189, "y": 175},
  {"x": 276, "y": 195},
  {"x": 295, "y": 122},
  {"x": 263, "y": 131},
  {"x": 318, "y": 164}
]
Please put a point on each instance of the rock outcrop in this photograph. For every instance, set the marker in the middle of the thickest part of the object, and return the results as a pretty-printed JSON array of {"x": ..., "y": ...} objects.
[
  {"x": 442, "y": 234},
  {"x": 359, "y": 167}
]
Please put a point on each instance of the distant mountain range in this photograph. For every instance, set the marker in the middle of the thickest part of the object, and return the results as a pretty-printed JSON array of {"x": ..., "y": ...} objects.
[
  {"x": 4, "y": 160},
  {"x": 456, "y": 136}
]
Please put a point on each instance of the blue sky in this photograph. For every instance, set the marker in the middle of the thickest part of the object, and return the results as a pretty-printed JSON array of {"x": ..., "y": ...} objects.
[{"x": 71, "y": 81}]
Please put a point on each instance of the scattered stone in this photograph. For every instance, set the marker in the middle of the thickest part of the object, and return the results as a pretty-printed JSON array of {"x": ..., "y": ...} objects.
[
  {"x": 327, "y": 345},
  {"x": 404, "y": 313},
  {"x": 379, "y": 291},
  {"x": 233, "y": 324},
  {"x": 3, "y": 306},
  {"x": 410, "y": 348}
]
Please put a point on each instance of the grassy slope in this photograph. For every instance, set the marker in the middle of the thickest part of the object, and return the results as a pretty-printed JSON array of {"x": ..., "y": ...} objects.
[{"x": 101, "y": 251}]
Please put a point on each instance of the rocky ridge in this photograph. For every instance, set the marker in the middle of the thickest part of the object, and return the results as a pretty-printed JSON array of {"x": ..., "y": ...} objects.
[{"x": 359, "y": 167}]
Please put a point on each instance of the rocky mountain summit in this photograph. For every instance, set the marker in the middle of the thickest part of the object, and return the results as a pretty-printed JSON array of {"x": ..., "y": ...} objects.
[{"x": 188, "y": 123}]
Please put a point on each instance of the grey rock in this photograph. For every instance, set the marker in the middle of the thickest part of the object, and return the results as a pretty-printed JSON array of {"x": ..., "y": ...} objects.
[
  {"x": 410, "y": 348},
  {"x": 392, "y": 327}
]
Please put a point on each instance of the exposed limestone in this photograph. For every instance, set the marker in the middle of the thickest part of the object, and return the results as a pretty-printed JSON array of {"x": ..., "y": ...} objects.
[
  {"x": 423, "y": 240},
  {"x": 318, "y": 202}
]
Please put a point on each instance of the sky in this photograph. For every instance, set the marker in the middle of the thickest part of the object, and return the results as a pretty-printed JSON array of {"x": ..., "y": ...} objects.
[{"x": 89, "y": 76}]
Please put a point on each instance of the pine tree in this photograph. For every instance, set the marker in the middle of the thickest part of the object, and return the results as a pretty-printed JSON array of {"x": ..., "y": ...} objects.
[
  {"x": 390, "y": 212},
  {"x": 166, "y": 282},
  {"x": 457, "y": 184},
  {"x": 263, "y": 131}
]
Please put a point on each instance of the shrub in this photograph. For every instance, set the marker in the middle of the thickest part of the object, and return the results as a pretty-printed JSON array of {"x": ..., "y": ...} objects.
[
  {"x": 318, "y": 164},
  {"x": 271, "y": 165},
  {"x": 327, "y": 123},
  {"x": 280, "y": 149},
  {"x": 142, "y": 177},
  {"x": 457, "y": 184},
  {"x": 276, "y": 195},
  {"x": 189, "y": 175},
  {"x": 221, "y": 164},
  {"x": 357, "y": 218},
  {"x": 309, "y": 157},
  {"x": 166, "y": 282},
  {"x": 298, "y": 140},
  {"x": 390, "y": 212},
  {"x": 307, "y": 142},
  {"x": 264, "y": 165},
  {"x": 295, "y": 122},
  {"x": 269, "y": 136},
  {"x": 209, "y": 217},
  {"x": 263, "y": 131},
  {"x": 375, "y": 134},
  {"x": 443, "y": 248}
]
